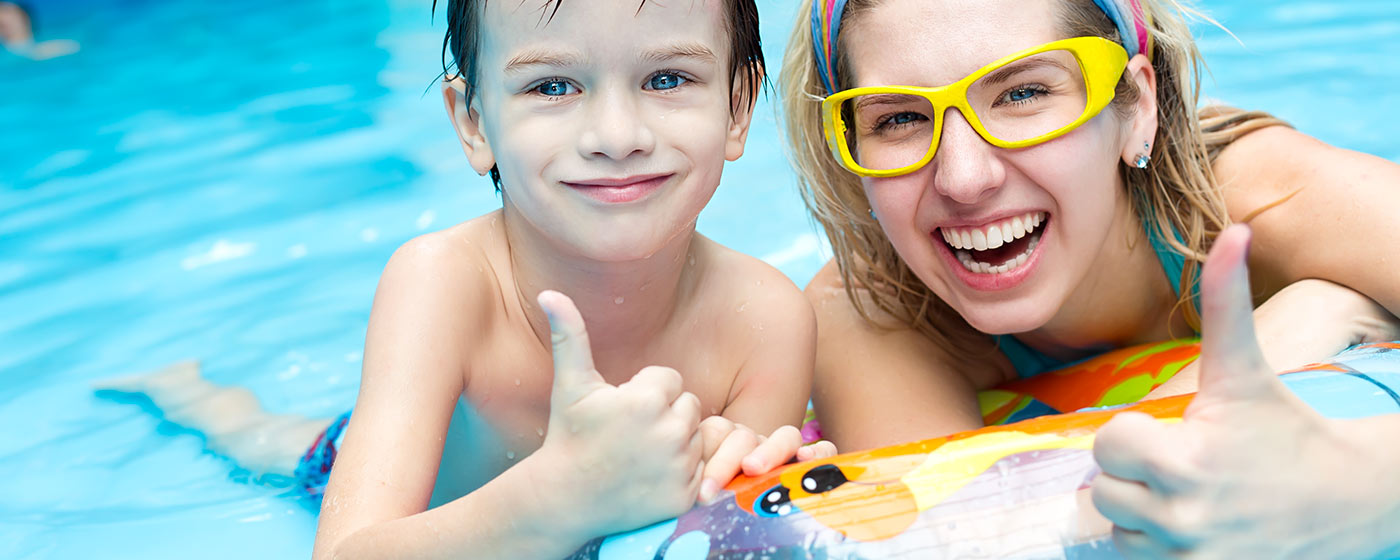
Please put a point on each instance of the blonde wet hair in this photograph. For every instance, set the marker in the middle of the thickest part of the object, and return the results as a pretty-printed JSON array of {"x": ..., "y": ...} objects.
[{"x": 1177, "y": 192}]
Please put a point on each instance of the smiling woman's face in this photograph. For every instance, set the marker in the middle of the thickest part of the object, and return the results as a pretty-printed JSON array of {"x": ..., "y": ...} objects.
[{"x": 1053, "y": 205}]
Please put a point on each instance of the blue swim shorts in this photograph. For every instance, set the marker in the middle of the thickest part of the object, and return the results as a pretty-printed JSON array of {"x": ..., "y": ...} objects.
[{"x": 314, "y": 468}]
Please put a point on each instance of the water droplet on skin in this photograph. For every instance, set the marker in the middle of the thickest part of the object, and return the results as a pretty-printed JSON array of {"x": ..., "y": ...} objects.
[
  {"x": 517, "y": 382},
  {"x": 618, "y": 300},
  {"x": 645, "y": 286},
  {"x": 692, "y": 260},
  {"x": 510, "y": 455},
  {"x": 540, "y": 431},
  {"x": 741, "y": 308}
]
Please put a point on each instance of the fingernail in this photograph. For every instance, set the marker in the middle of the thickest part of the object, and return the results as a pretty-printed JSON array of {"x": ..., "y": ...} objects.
[
  {"x": 751, "y": 465},
  {"x": 708, "y": 488}
]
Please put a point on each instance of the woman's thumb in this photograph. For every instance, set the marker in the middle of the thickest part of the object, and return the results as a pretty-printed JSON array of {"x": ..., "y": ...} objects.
[{"x": 1232, "y": 365}]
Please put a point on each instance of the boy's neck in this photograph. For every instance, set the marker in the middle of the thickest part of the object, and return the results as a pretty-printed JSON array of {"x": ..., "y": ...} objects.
[{"x": 625, "y": 305}]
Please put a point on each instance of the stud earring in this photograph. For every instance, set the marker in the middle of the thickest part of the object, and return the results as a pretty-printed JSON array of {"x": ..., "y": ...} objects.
[
  {"x": 1143, "y": 157},
  {"x": 873, "y": 216}
]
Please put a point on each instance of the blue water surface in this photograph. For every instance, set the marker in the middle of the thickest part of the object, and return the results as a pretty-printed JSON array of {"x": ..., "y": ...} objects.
[{"x": 224, "y": 182}]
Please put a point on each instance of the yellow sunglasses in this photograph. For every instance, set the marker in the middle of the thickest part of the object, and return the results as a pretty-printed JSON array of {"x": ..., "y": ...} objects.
[{"x": 1020, "y": 100}]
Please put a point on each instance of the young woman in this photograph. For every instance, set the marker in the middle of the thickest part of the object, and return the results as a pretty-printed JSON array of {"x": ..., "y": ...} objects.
[{"x": 1012, "y": 185}]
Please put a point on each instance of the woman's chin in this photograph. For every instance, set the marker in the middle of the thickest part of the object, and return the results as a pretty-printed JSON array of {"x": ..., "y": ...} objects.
[{"x": 1007, "y": 318}]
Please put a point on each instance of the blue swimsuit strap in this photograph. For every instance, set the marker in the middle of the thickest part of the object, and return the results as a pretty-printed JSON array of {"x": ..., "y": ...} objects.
[{"x": 1029, "y": 362}]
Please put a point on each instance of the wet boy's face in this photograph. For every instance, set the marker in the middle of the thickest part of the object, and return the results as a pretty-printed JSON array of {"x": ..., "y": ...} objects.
[{"x": 610, "y": 124}]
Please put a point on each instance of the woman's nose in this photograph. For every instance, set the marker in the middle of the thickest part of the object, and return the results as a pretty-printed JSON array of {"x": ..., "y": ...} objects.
[{"x": 966, "y": 168}]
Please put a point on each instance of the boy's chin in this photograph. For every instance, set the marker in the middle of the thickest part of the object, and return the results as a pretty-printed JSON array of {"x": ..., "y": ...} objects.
[{"x": 623, "y": 246}]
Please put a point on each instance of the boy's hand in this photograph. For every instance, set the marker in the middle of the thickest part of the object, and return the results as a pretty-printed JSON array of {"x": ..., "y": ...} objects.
[
  {"x": 1251, "y": 471},
  {"x": 730, "y": 446},
  {"x": 627, "y": 455}
]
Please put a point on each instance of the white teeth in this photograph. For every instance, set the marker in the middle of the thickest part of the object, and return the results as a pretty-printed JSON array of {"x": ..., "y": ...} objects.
[
  {"x": 965, "y": 257},
  {"x": 994, "y": 235},
  {"x": 994, "y": 238},
  {"x": 979, "y": 240}
]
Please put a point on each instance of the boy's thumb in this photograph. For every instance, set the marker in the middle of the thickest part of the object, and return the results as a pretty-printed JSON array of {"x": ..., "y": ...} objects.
[
  {"x": 1232, "y": 365},
  {"x": 573, "y": 357}
]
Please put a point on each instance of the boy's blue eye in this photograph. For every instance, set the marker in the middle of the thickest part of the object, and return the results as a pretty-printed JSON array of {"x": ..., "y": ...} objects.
[
  {"x": 665, "y": 80},
  {"x": 554, "y": 88}
]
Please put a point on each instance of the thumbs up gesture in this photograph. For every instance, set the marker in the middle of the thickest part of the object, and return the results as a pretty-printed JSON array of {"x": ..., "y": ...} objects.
[
  {"x": 1250, "y": 471},
  {"x": 622, "y": 456}
]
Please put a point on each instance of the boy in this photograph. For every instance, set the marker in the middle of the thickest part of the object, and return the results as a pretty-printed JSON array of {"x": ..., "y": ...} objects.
[{"x": 605, "y": 125}]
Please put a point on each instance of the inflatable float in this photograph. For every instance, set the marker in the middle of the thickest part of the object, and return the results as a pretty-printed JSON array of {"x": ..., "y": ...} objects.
[{"x": 1017, "y": 490}]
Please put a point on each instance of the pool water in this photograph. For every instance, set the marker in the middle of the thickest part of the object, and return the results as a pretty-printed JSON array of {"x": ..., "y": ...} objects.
[{"x": 225, "y": 181}]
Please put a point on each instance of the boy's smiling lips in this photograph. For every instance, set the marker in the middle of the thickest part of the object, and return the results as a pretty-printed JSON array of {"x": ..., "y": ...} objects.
[{"x": 620, "y": 189}]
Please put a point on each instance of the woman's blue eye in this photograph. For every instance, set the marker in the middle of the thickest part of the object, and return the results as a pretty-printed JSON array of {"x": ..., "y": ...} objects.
[
  {"x": 897, "y": 120},
  {"x": 1022, "y": 94},
  {"x": 554, "y": 88},
  {"x": 665, "y": 81}
]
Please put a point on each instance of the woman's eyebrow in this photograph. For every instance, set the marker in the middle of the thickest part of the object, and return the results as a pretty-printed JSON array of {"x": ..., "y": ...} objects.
[
  {"x": 1024, "y": 65},
  {"x": 541, "y": 57},
  {"x": 682, "y": 50}
]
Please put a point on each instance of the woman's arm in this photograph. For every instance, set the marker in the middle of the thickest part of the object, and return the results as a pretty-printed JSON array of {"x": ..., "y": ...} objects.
[
  {"x": 1316, "y": 211},
  {"x": 1306, "y": 322},
  {"x": 877, "y": 387}
]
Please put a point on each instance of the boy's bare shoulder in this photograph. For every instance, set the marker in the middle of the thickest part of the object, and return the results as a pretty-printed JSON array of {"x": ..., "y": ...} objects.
[
  {"x": 754, "y": 288},
  {"x": 453, "y": 268}
]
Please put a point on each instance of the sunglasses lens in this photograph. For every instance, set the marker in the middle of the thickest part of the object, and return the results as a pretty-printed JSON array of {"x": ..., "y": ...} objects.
[
  {"x": 1030, "y": 97},
  {"x": 1020, "y": 100},
  {"x": 888, "y": 131}
]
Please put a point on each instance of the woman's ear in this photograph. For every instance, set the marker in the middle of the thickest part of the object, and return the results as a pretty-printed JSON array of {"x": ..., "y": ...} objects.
[
  {"x": 741, "y": 103},
  {"x": 1142, "y": 126},
  {"x": 466, "y": 120}
]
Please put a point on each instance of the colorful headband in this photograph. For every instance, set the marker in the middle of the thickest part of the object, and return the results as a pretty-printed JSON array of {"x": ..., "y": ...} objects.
[
  {"x": 1127, "y": 15},
  {"x": 1131, "y": 21},
  {"x": 826, "y": 22}
]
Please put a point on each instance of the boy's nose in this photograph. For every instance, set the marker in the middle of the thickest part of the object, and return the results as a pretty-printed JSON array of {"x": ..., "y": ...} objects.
[
  {"x": 966, "y": 168},
  {"x": 615, "y": 128}
]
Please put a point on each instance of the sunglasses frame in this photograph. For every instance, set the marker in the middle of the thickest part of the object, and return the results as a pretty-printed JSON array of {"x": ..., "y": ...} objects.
[{"x": 1102, "y": 62}]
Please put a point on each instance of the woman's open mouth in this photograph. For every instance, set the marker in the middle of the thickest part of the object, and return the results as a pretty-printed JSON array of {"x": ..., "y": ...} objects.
[{"x": 998, "y": 248}]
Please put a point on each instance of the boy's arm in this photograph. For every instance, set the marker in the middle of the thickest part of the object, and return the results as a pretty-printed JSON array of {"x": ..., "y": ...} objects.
[
  {"x": 773, "y": 385},
  {"x": 643, "y": 432},
  {"x": 387, "y": 466},
  {"x": 770, "y": 391}
]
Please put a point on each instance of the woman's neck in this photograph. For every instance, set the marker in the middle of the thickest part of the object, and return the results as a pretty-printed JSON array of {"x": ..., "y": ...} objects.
[{"x": 1126, "y": 299}]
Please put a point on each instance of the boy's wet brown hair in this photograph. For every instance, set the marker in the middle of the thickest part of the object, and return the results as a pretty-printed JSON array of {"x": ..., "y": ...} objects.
[{"x": 462, "y": 44}]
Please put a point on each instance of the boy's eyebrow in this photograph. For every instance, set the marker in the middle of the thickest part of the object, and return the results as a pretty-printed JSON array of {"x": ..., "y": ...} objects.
[
  {"x": 683, "y": 50},
  {"x": 533, "y": 57}
]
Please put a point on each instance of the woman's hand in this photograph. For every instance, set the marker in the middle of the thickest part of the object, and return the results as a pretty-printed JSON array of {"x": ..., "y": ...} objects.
[
  {"x": 614, "y": 458},
  {"x": 1250, "y": 471},
  {"x": 730, "y": 447},
  {"x": 1306, "y": 322}
]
